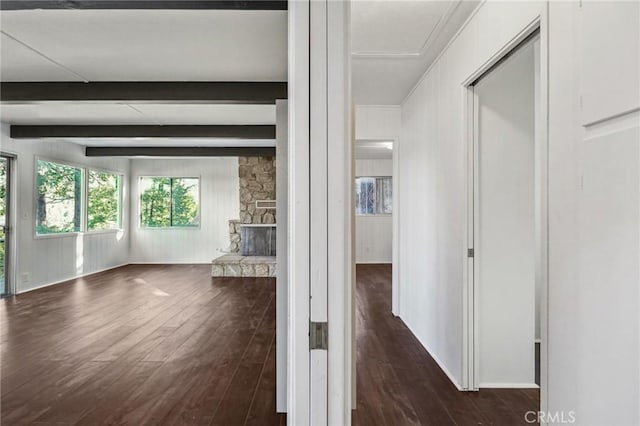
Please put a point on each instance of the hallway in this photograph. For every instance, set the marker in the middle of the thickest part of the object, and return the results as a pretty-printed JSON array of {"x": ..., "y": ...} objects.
[{"x": 399, "y": 383}]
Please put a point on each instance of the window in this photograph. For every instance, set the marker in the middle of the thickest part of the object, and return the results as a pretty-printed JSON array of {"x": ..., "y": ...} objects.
[
  {"x": 104, "y": 200},
  {"x": 169, "y": 202},
  {"x": 374, "y": 195},
  {"x": 58, "y": 198}
]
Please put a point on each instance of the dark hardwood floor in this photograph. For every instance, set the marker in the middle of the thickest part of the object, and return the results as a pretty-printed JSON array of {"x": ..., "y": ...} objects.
[
  {"x": 170, "y": 345},
  {"x": 399, "y": 383},
  {"x": 141, "y": 345}
]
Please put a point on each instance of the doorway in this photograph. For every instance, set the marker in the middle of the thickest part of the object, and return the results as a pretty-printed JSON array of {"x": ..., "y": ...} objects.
[
  {"x": 5, "y": 221},
  {"x": 507, "y": 230}
]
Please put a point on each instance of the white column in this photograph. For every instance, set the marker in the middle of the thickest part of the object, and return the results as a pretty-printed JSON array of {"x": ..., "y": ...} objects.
[
  {"x": 281, "y": 255},
  {"x": 319, "y": 211}
]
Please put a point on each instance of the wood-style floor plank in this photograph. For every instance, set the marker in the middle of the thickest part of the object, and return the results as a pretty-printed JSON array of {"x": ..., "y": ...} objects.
[
  {"x": 169, "y": 345},
  {"x": 161, "y": 344},
  {"x": 399, "y": 383}
]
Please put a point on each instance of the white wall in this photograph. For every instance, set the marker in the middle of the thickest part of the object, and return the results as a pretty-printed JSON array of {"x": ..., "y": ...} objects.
[
  {"x": 594, "y": 211},
  {"x": 374, "y": 233},
  {"x": 377, "y": 122},
  {"x": 594, "y": 201},
  {"x": 432, "y": 182},
  {"x": 219, "y": 203},
  {"x": 45, "y": 260}
]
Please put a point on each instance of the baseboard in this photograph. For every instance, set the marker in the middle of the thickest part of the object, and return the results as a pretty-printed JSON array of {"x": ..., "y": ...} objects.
[
  {"x": 71, "y": 278},
  {"x": 170, "y": 263},
  {"x": 509, "y": 386},
  {"x": 435, "y": 358}
]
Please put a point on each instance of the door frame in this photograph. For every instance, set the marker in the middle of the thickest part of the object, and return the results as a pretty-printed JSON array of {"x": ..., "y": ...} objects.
[
  {"x": 10, "y": 223},
  {"x": 319, "y": 379},
  {"x": 470, "y": 295}
]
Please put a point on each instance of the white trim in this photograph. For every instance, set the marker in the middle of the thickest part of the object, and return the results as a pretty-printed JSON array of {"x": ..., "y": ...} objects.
[
  {"x": 512, "y": 44},
  {"x": 138, "y": 196},
  {"x": 298, "y": 402},
  {"x": 282, "y": 308},
  {"x": 442, "y": 52},
  {"x": 62, "y": 281},
  {"x": 470, "y": 358},
  {"x": 339, "y": 208},
  {"x": 11, "y": 240},
  {"x": 172, "y": 263},
  {"x": 509, "y": 386},
  {"x": 433, "y": 35},
  {"x": 395, "y": 230},
  {"x": 374, "y": 263},
  {"x": 84, "y": 221}
]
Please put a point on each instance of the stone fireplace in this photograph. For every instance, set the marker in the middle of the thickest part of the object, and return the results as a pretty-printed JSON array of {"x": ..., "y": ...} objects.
[
  {"x": 257, "y": 178},
  {"x": 252, "y": 247}
]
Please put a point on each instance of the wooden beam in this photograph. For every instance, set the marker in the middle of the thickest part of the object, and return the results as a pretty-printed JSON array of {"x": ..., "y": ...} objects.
[
  {"x": 137, "y": 131},
  {"x": 145, "y": 4},
  {"x": 100, "y": 151},
  {"x": 225, "y": 92}
]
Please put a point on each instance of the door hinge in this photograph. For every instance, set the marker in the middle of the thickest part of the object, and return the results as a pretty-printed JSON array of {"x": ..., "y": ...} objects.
[
  {"x": 470, "y": 252},
  {"x": 318, "y": 335}
]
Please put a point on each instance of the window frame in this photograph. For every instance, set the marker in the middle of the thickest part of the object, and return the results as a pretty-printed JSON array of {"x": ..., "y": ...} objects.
[
  {"x": 372, "y": 214},
  {"x": 141, "y": 226},
  {"x": 85, "y": 199}
]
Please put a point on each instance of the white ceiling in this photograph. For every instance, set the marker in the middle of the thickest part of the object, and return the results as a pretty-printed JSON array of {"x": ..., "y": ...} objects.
[
  {"x": 395, "y": 41},
  {"x": 373, "y": 150},
  {"x": 143, "y": 45},
  {"x": 84, "y": 113},
  {"x": 148, "y": 45}
]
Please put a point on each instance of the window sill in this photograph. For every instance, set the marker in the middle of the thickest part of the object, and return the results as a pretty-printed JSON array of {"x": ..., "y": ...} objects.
[
  {"x": 170, "y": 228},
  {"x": 76, "y": 234}
]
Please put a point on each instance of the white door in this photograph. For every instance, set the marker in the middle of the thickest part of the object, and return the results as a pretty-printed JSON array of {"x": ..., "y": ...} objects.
[{"x": 505, "y": 222}]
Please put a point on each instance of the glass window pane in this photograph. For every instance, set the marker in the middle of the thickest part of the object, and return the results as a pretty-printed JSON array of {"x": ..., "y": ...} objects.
[
  {"x": 185, "y": 202},
  {"x": 104, "y": 200},
  {"x": 155, "y": 201},
  {"x": 167, "y": 202},
  {"x": 384, "y": 195},
  {"x": 365, "y": 195},
  {"x": 58, "y": 198},
  {"x": 374, "y": 195}
]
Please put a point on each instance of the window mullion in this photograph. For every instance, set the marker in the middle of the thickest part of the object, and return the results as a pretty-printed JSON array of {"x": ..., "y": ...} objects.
[{"x": 171, "y": 202}]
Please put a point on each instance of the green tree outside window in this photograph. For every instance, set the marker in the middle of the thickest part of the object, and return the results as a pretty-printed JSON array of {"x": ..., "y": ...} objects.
[
  {"x": 169, "y": 202},
  {"x": 103, "y": 210}
]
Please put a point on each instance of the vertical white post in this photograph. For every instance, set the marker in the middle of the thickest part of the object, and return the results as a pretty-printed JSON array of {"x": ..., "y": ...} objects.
[
  {"x": 281, "y": 255},
  {"x": 320, "y": 162},
  {"x": 339, "y": 177},
  {"x": 395, "y": 218},
  {"x": 298, "y": 216}
]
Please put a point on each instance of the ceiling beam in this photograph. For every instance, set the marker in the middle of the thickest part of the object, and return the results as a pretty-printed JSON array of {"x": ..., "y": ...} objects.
[
  {"x": 221, "y": 92},
  {"x": 145, "y": 4},
  {"x": 138, "y": 131},
  {"x": 100, "y": 151}
]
